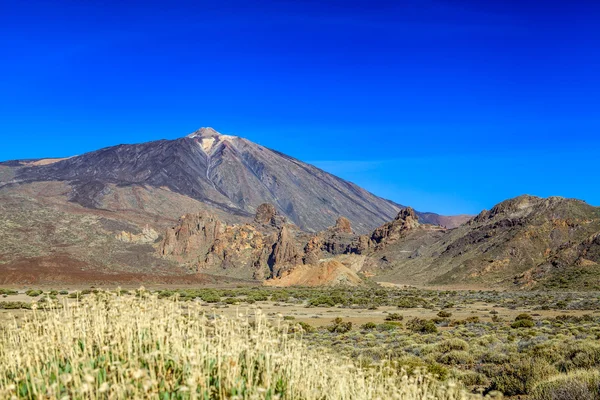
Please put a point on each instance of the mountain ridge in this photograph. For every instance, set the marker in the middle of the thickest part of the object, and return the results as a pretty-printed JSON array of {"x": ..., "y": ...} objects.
[{"x": 225, "y": 171}]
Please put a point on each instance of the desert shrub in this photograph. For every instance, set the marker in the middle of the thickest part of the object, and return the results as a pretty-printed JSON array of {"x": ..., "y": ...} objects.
[
  {"x": 339, "y": 326},
  {"x": 258, "y": 296},
  {"x": 494, "y": 357},
  {"x": 413, "y": 365},
  {"x": 456, "y": 357},
  {"x": 165, "y": 294},
  {"x": 577, "y": 385},
  {"x": 453, "y": 344},
  {"x": 421, "y": 326},
  {"x": 394, "y": 317},
  {"x": 14, "y": 305},
  {"x": 520, "y": 377},
  {"x": 34, "y": 293},
  {"x": 322, "y": 301},
  {"x": 280, "y": 296},
  {"x": 522, "y": 323},
  {"x": 411, "y": 302},
  {"x": 523, "y": 317},
  {"x": 585, "y": 354},
  {"x": 289, "y": 318},
  {"x": 232, "y": 301},
  {"x": 8, "y": 292},
  {"x": 444, "y": 314},
  {"x": 389, "y": 326},
  {"x": 63, "y": 292},
  {"x": 471, "y": 378},
  {"x": 369, "y": 326},
  {"x": 303, "y": 327},
  {"x": 210, "y": 297}
]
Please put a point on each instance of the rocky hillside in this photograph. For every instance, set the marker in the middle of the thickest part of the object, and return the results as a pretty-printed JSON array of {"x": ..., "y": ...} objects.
[
  {"x": 526, "y": 242},
  {"x": 521, "y": 242}
]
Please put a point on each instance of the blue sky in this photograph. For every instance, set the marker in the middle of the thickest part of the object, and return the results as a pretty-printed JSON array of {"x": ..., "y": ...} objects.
[{"x": 448, "y": 106}]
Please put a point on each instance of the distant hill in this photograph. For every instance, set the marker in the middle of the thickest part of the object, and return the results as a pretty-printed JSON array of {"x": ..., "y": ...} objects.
[{"x": 522, "y": 242}]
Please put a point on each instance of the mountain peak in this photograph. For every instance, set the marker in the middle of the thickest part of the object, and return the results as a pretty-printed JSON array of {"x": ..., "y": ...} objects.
[{"x": 204, "y": 133}]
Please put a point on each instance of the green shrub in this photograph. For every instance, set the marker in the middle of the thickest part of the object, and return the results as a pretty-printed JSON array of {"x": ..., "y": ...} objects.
[
  {"x": 14, "y": 305},
  {"x": 585, "y": 354},
  {"x": 456, "y": 357},
  {"x": 421, "y": 326},
  {"x": 394, "y": 317},
  {"x": 444, "y": 314},
  {"x": 369, "y": 326},
  {"x": 306, "y": 328},
  {"x": 520, "y": 377},
  {"x": 389, "y": 326},
  {"x": 524, "y": 317},
  {"x": 522, "y": 323},
  {"x": 34, "y": 293},
  {"x": 339, "y": 326},
  {"x": 578, "y": 385},
  {"x": 322, "y": 301},
  {"x": 453, "y": 344}
]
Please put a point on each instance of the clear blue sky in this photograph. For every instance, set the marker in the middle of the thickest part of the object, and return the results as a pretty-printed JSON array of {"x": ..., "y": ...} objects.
[{"x": 448, "y": 106}]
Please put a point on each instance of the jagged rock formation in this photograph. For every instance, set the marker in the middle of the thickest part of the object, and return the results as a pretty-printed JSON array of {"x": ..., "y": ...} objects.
[
  {"x": 265, "y": 214},
  {"x": 195, "y": 233},
  {"x": 285, "y": 254},
  {"x": 261, "y": 250},
  {"x": 390, "y": 232}
]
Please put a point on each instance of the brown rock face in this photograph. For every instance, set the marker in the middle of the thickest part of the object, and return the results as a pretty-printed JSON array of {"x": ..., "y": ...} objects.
[
  {"x": 393, "y": 231},
  {"x": 343, "y": 225},
  {"x": 312, "y": 250},
  {"x": 265, "y": 214},
  {"x": 195, "y": 234},
  {"x": 285, "y": 253}
]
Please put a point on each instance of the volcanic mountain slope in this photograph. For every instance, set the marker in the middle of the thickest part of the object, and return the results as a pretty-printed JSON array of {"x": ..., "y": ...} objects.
[
  {"x": 105, "y": 212},
  {"x": 228, "y": 173},
  {"x": 521, "y": 241}
]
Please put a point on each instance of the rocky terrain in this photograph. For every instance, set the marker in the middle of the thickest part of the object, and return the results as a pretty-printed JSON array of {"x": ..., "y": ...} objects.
[
  {"x": 526, "y": 242},
  {"x": 522, "y": 242},
  {"x": 105, "y": 212},
  {"x": 256, "y": 215}
]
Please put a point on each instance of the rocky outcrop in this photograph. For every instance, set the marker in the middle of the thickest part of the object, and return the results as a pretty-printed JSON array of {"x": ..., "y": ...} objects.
[
  {"x": 406, "y": 221},
  {"x": 343, "y": 225},
  {"x": 265, "y": 214},
  {"x": 195, "y": 234},
  {"x": 266, "y": 249},
  {"x": 285, "y": 253}
]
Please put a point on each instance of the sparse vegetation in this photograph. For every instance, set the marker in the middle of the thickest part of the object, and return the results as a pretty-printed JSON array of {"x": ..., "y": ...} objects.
[
  {"x": 517, "y": 343},
  {"x": 110, "y": 346}
]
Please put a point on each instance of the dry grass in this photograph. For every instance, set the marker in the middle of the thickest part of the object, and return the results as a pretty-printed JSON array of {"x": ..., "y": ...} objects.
[{"x": 116, "y": 347}]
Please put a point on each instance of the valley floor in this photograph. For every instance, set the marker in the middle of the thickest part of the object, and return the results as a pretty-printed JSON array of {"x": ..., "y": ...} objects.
[{"x": 528, "y": 344}]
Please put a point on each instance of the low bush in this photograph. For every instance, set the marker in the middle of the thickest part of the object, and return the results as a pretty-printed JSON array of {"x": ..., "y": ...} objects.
[
  {"x": 394, "y": 317},
  {"x": 578, "y": 385}
]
